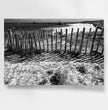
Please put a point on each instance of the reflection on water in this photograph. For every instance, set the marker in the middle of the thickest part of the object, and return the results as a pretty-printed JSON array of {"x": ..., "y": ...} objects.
[{"x": 74, "y": 26}]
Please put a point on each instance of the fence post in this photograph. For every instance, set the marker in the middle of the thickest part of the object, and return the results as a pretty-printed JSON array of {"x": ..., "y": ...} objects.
[
  {"x": 76, "y": 40},
  {"x": 56, "y": 41},
  {"x": 71, "y": 39},
  {"x": 82, "y": 40},
  {"x": 61, "y": 41},
  {"x": 93, "y": 40},
  {"x": 65, "y": 41},
  {"x": 87, "y": 41},
  {"x": 99, "y": 40}
]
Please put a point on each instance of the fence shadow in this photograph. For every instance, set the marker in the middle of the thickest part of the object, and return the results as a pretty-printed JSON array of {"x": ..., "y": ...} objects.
[{"x": 55, "y": 56}]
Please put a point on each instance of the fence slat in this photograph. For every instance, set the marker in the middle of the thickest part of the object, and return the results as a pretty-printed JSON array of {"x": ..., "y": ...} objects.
[
  {"x": 43, "y": 37},
  {"x": 18, "y": 40},
  {"x": 51, "y": 41},
  {"x": 76, "y": 39},
  {"x": 102, "y": 50},
  {"x": 82, "y": 41},
  {"x": 65, "y": 41},
  {"x": 35, "y": 41},
  {"x": 21, "y": 47},
  {"x": 61, "y": 40},
  {"x": 99, "y": 40},
  {"x": 31, "y": 44},
  {"x": 56, "y": 41},
  {"x": 24, "y": 43},
  {"x": 94, "y": 39},
  {"x": 87, "y": 40},
  {"x": 16, "y": 43},
  {"x": 19, "y": 43},
  {"x": 47, "y": 45},
  {"x": 26, "y": 38},
  {"x": 71, "y": 39},
  {"x": 38, "y": 36},
  {"x": 10, "y": 37}
]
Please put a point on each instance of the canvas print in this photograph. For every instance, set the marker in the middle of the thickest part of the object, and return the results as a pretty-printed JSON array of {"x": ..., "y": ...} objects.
[{"x": 53, "y": 52}]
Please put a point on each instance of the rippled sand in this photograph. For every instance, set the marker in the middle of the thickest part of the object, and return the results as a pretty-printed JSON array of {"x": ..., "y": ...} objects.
[{"x": 45, "y": 71}]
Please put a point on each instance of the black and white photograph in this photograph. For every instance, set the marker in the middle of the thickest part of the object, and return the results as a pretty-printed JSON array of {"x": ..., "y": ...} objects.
[
  {"x": 53, "y": 55},
  {"x": 53, "y": 52}
]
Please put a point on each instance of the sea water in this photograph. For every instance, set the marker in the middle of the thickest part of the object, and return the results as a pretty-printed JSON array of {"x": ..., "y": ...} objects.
[{"x": 87, "y": 27}]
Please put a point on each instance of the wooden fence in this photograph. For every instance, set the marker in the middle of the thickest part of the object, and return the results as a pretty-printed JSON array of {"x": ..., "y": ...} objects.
[{"x": 30, "y": 42}]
